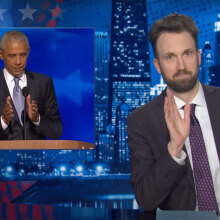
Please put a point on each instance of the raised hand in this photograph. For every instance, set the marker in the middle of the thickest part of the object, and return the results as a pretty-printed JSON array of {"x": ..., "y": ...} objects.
[
  {"x": 32, "y": 109},
  {"x": 8, "y": 113},
  {"x": 178, "y": 128}
]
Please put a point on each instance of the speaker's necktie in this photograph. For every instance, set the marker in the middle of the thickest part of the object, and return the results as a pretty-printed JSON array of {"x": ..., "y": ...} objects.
[
  {"x": 202, "y": 174},
  {"x": 18, "y": 99}
]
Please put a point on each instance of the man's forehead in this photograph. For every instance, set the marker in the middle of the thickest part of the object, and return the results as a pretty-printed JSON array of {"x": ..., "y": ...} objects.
[
  {"x": 174, "y": 42},
  {"x": 12, "y": 43}
]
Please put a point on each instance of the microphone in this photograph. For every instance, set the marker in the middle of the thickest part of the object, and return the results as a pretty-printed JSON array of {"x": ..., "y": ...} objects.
[{"x": 25, "y": 93}]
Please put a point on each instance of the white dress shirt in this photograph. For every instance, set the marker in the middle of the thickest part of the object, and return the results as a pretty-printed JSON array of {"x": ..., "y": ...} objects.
[
  {"x": 202, "y": 115},
  {"x": 11, "y": 83}
]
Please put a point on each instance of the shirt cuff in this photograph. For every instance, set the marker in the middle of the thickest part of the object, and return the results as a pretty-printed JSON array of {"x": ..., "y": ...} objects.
[
  {"x": 181, "y": 159},
  {"x": 37, "y": 123},
  {"x": 4, "y": 125}
]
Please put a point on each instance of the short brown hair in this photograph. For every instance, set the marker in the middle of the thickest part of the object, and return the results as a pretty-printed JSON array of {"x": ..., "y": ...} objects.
[{"x": 172, "y": 23}]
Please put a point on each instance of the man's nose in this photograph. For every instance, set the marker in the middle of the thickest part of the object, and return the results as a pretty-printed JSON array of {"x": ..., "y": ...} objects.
[
  {"x": 180, "y": 63},
  {"x": 17, "y": 60}
]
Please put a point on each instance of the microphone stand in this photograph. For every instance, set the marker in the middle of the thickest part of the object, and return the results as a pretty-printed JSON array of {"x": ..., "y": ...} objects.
[
  {"x": 24, "y": 123},
  {"x": 25, "y": 92}
]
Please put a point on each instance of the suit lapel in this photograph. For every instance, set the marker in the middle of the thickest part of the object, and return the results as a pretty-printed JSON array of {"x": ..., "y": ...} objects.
[
  {"x": 4, "y": 92},
  {"x": 30, "y": 82},
  {"x": 188, "y": 171},
  {"x": 160, "y": 108}
]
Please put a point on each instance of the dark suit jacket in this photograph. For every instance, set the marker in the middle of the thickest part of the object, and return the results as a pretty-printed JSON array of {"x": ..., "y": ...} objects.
[
  {"x": 42, "y": 91},
  {"x": 157, "y": 179}
]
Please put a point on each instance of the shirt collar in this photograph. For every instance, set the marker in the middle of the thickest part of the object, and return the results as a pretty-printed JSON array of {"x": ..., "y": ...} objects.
[
  {"x": 9, "y": 77},
  {"x": 199, "y": 99}
]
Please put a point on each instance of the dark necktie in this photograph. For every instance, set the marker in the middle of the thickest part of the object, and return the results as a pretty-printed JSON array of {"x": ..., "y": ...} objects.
[
  {"x": 18, "y": 98},
  {"x": 202, "y": 174}
]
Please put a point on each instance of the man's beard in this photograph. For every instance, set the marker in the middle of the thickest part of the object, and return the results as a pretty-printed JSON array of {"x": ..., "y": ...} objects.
[{"x": 184, "y": 84}]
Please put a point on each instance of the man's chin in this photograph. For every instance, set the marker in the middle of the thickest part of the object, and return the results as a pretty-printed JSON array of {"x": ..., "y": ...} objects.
[
  {"x": 183, "y": 82},
  {"x": 182, "y": 87},
  {"x": 17, "y": 72}
]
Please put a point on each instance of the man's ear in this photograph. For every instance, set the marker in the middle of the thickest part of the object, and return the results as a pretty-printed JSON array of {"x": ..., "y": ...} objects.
[
  {"x": 28, "y": 51},
  {"x": 1, "y": 54},
  {"x": 199, "y": 57},
  {"x": 157, "y": 65}
]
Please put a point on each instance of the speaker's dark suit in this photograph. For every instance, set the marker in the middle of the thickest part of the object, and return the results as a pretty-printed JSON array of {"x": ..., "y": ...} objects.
[
  {"x": 42, "y": 91},
  {"x": 157, "y": 179}
]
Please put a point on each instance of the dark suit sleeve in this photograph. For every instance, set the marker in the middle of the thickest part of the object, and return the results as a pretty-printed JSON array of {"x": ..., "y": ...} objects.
[
  {"x": 3, "y": 133},
  {"x": 154, "y": 173},
  {"x": 50, "y": 122}
]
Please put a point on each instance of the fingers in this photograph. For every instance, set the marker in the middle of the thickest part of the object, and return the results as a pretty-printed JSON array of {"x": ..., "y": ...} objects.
[
  {"x": 172, "y": 105},
  {"x": 8, "y": 113},
  {"x": 187, "y": 113},
  {"x": 170, "y": 109},
  {"x": 32, "y": 109},
  {"x": 28, "y": 99},
  {"x": 167, "y": 110},
  {"x": 35, "y": 114},
  {"x": 8, "y": 100},
  {"x": 178, "y": 127}
]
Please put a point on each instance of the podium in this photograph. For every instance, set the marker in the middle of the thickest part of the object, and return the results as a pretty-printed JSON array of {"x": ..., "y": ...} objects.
[{"x": 45, "y": 144}]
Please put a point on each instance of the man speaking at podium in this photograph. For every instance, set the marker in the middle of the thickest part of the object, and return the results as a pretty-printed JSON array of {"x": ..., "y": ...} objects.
[
  {"x": 28, "y": 105},
  {"x": 175, "y": 139}
]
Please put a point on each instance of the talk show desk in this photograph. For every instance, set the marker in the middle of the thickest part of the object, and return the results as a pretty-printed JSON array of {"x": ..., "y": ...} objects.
[{"x": 47, "y": 212}]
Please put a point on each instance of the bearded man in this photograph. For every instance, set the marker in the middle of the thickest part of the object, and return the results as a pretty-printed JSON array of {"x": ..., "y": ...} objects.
[{"x": 174, "y": 139}]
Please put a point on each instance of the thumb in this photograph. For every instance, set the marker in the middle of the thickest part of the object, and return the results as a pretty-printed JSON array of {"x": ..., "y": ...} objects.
[
  {"x": 8, "y": 99},
  {"x": 28, "y": 99}
]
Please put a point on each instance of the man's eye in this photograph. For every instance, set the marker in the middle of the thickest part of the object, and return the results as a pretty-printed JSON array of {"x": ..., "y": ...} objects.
[
  {"x": 11, "y": 55},
  {"x": 188, "y": 53},
  {"x": 170, "y": 57}
]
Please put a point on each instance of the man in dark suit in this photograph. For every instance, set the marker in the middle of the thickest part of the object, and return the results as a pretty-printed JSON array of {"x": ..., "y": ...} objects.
[
  {"x": 160, "y": 137},
  {"x": 42, "y": 118}
]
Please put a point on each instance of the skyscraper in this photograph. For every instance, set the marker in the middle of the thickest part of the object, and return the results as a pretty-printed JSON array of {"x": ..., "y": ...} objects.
[
  {"x": 129, "y": 66},
  {"x": 217, "y": 40},
  {"x": 101, "y": 95},
  {"x": 157, "y": 89},
  {"x": 122, "y": 156},
  {"x": 206, "y": 62},
  {"x": 106, "y": 148},
  {"x": 214, "y": 76},
  {"x": 101, "y": 81}
]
